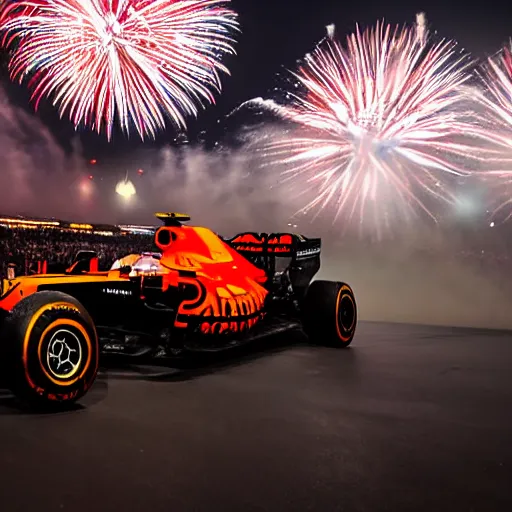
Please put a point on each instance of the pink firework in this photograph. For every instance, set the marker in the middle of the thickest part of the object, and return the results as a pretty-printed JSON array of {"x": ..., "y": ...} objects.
[
  {"x": 497, "y": 97},
  {"x": 141, "y": 61},
  {"x": 498, "y": 81},
  {"x": 380, "y": 124}
]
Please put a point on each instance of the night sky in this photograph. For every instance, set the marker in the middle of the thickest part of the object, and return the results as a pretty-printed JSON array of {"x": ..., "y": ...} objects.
[{"x": 275, "y": 33}]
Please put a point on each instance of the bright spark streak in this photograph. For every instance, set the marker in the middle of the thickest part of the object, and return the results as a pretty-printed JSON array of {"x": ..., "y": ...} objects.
[{"x": 126, "y": 189}]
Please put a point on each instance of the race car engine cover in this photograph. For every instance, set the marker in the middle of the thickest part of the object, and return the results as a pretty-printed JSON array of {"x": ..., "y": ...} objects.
[{"x": 223, "y": 292}]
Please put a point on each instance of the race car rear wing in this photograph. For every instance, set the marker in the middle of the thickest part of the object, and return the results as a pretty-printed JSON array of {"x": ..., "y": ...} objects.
[
  {"x": 276, "y": 252},
  {"x": 289, "y": 245}
]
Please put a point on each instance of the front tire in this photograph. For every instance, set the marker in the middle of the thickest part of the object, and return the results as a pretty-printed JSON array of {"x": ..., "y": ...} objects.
[
  {"x": 330, "y": 313},
  {"x": 49, "y": 350}
]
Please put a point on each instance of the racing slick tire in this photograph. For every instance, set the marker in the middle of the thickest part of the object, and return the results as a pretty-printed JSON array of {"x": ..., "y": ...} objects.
[
  {"x": 49, "y": 350},
  {"x": 330, "y": 313}
]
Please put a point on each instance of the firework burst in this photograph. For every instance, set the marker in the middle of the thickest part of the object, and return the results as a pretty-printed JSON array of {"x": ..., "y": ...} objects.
[
  {"x": 498, "y": 83},
  {"x": 139, "y": 60},
  {"x": 497, "y": 98},
  {"x": 383, "y": 123}
]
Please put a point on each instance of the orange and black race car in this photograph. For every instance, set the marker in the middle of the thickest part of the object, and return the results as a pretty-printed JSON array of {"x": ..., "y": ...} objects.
[{"x": 199, "y": 293}]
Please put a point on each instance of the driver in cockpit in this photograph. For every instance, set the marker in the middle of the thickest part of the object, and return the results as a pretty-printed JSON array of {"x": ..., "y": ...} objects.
[{"x": 145, "y": 262}]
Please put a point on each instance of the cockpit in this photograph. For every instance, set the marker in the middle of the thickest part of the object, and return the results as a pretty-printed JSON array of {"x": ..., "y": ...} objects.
[{"x": 145, "y": 263}]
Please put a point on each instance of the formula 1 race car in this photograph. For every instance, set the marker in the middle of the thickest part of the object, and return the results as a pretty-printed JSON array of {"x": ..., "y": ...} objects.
[{"x": 199, "y": 293}]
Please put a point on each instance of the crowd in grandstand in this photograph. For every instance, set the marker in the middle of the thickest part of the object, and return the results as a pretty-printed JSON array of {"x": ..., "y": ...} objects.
[
  {"x": 25, "y": 248},
  {"x": 28, "y": 248}
]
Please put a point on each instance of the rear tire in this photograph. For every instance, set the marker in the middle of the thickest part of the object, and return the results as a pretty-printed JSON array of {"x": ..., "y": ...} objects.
[
  {"x": 49, "y": 350},
  {"x": 330, "y": 313}
]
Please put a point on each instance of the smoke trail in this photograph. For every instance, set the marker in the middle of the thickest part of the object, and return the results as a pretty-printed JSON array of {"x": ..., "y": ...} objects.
[
  {"x": 38, "y": 177},
  {"x": 421, "y": 28},
  {"x": 418, "y": 276}
]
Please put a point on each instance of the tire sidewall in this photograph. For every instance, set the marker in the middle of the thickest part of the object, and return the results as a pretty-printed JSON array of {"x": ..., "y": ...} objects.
[
  {"x": 52, "y": 349},
  {"x": 323, "y": 308},
  {"x": 344, "y": 300}
]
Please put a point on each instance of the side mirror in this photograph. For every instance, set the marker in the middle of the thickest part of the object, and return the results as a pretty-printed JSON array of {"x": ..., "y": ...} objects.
[{"x": 125, "y": 270}]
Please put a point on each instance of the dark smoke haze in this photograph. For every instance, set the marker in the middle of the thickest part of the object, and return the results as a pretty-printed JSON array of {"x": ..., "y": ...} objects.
[{"x": 416, "y": 276}]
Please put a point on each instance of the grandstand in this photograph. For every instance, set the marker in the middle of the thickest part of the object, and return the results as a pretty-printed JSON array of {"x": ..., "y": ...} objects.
[
  {"x": 18, "y": 221},
  {"x": 31, "y": 244}
]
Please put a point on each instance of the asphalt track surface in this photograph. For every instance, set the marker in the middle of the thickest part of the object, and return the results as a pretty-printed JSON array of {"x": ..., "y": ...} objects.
[{"x": 409, "y": 418}]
